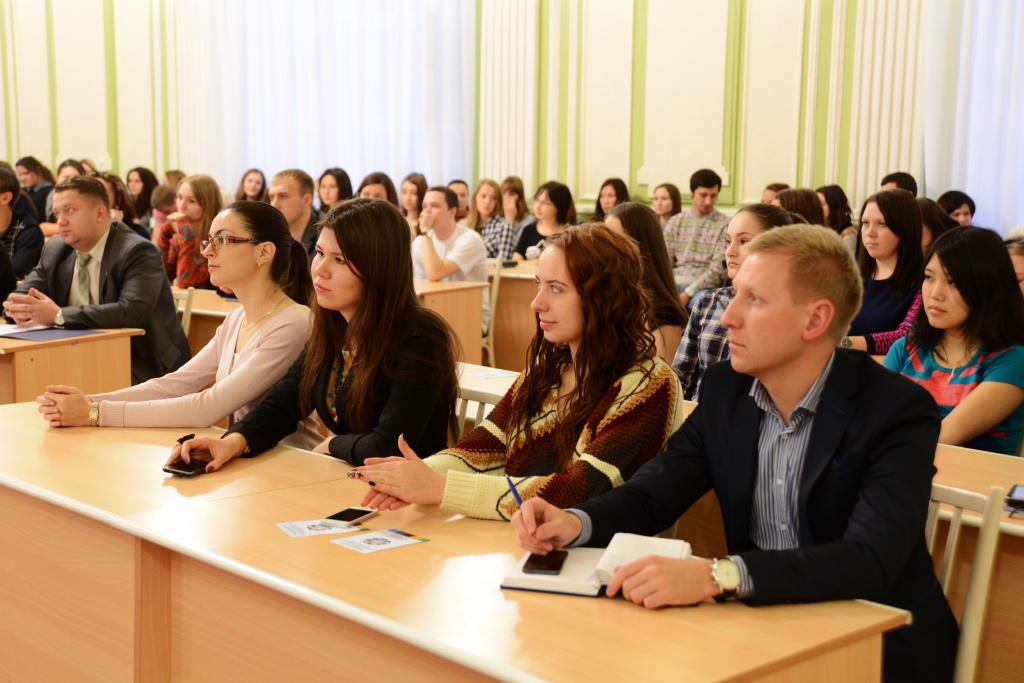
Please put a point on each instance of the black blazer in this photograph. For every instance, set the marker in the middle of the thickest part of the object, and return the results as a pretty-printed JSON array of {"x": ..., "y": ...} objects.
[
  {"x": 134, "y": 292},
  {"x": 412, "y": 406},
  {"x": 862, "y": 500}
]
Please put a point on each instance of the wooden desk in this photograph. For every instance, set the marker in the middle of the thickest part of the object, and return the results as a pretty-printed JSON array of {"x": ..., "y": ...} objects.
[
  {"x": 114, "y": 573},
  {"x": 459, "y": 303},
  {"x": 94, "y": 363},
  {"x": 515, "y": 324}
]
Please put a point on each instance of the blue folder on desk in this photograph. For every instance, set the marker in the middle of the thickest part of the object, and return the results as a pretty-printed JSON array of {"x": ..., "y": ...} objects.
[{"x": 50, "y": 334}]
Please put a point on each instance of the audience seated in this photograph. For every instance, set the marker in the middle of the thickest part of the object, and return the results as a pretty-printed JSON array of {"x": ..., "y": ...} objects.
[
  {"x": 250, "y": 252},
  {"x": 513, "y": 205},
  {"x": 65, "y": 289},
  {"x": 1016, "y": 250},
  {"x": 666, "y": 202},
  {"x": 413, "y": 189},
  {"x": 69, "y": 168},
  {"x": 801, "y": 200},
  {"x": 967, "y": 343},
  {"x": 333, "y": 187},
  {"x": 901, "y": 181},
  {"x": 252, "y": 187},
  {"x": 891, "y": 264},
  {"x": 89, "y": 165},
  {"x": 639, "y": 222},
  {"x": 613, "y": 192},
  {"x": 141, "y": 182},
  {"x": 461, "y": 190},
  {"x": 291, "y": 193},
  {"x": 173, "y": 177},
  {"x": 770, "y": 190},
  {"x": 553, "y": 211},
  {"x": 705, "y": 342},
  {"x": 838, "y": 215},
  {"x": 594, "y": 404},
  {"x": 198, "y": 202},
  {"x": 22, "y": 203},
  {"x": 448, "y": 251},
  {"x": 696, "y": 238},
  {"x": 163, "y": 202},
  {"x": 958, "y": 205},
  {"x": 934, "y": 222},
  {"x": 37, "y": 181},
  {"x": 378, "y": 186},
  {"x": 20, "y": 237},
  {"x": 486, "y": 218},
  {"x": 122, "y": 209},
  {"x": 378, "y": 364},
  {"x": 820, "y": 459}
]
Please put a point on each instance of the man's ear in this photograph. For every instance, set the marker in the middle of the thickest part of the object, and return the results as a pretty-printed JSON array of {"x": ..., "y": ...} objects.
[
  {"x": 307, "y": 200},
  {"x": 820, "y": 314}
]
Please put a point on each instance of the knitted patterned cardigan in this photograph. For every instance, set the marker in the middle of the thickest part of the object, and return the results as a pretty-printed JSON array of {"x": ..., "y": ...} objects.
[{"x": 629, "y": 426}]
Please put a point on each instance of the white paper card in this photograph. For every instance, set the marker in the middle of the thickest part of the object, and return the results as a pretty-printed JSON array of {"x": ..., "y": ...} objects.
[
  {"x": 376, "y": 541},
  {"x": 311, "y": 527}
]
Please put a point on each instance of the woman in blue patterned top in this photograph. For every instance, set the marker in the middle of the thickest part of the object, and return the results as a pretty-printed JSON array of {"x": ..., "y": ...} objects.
[
  {"x": 966, "y": 346},
  {"x": 704, "y": 340}
]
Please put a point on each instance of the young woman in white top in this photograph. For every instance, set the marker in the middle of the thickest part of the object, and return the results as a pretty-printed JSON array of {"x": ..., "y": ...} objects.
[{"x": 251, "y": 252}]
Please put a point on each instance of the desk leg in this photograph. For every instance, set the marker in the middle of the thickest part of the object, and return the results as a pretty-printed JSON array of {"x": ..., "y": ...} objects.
[
  {"x": 70, "y": 592},
  {"x": 263, "y": 635}
]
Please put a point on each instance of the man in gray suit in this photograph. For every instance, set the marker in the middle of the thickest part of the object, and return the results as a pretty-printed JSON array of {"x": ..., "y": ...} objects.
[{"x": 102, "y": 275}]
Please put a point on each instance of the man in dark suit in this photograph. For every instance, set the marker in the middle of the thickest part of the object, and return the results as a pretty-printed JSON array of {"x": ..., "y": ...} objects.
[
  {"x": 822, "y": 461},
  {"x": 102, "y": 275}
]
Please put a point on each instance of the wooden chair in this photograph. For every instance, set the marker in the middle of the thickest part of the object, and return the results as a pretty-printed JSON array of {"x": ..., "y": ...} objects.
[
  {"x": 479, "y": 400},
  {"x": 494, "y": 271},
  {"x": 185, "y": 295},
  {"x": 990, "y": 507}
]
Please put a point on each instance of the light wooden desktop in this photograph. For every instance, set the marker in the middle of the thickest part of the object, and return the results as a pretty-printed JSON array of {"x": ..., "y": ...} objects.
[
  {"x": 120, "y": 572},
  {"x": 94, "y": 363},
  {"x": 459, "y": 303}
]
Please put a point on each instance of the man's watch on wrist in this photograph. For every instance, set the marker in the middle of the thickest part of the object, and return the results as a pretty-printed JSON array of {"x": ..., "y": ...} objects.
[
  {"x": 726, "y": 576},
  {"x": 58, "y": 319},
  {"x": 94, "y": 415},
  {"x": 846, "y": 343},
  {"x": 430, "y": 233}
]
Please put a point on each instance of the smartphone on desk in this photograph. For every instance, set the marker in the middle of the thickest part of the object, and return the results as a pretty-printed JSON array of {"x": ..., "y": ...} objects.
[
  {"x": 1015, "y": 498},
  {"x": 187, "y": 469},
  {"x": 545, "y": 564},
  {"x": 348, "y": 517}
]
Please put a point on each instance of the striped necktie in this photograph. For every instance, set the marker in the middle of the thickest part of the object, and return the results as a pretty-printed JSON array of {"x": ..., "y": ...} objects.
[{"x": 82, "y": 271}]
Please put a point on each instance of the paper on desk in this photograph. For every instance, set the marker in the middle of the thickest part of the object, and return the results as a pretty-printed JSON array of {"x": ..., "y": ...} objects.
[
  {"x": 310, "y": 527},
  {"x": 376, "y": 541},
  {"x": 7, "y": 330},
  {"x": 491, "y": 374}
]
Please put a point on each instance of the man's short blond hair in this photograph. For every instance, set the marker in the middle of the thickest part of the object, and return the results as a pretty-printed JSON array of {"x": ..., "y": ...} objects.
[
  {"x": 302, "y": 179},
  {"x": 820, "y": 266}
]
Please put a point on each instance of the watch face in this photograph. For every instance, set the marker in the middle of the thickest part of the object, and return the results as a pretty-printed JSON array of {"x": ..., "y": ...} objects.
[{"x": 727, "y": 576}]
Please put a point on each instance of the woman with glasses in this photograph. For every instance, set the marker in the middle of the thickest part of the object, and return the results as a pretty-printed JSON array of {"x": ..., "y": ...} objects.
[
  {"x": 378, "y": 364},
  {"x": 250, "y": 251}
]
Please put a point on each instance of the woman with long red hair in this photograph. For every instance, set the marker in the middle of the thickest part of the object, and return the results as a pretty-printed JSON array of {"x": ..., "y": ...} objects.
[{"x": 593, "y": 405}]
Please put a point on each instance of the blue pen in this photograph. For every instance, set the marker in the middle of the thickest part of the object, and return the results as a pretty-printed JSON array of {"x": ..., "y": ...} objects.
[{"x": 515, "y": 494}]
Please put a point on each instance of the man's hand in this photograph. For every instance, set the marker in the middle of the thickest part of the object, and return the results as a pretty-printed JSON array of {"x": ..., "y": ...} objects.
[
  {"x": 542, "y": 527},
  {"x": 654, "y": 581},
  {"x": 34, "y": 308}
]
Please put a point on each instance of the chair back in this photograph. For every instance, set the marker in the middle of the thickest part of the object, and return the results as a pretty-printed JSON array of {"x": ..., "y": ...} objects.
[
  {"x": 185, "y": 295},
  {"x": 494, "y": 271},
  {"x": 475, "y": 403},
  {"x": 990, "y": 507}
]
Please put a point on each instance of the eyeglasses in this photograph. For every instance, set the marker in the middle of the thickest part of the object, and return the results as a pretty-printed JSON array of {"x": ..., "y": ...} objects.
[{"x": 221, "y": 241}]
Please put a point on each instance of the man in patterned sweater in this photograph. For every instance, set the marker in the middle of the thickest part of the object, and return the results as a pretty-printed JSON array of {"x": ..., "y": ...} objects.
[{"x": 696, "y": 238}]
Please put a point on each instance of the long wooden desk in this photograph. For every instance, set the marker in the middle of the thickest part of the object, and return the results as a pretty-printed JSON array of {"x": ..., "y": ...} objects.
[
  {"x": 459, "y": 303},
  {"x": 94, "y": 363},
  {"x": 112, "y": 571}
]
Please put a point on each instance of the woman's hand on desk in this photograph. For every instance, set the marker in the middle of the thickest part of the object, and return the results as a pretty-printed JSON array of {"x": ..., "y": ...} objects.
[
  {"x": 63, "y": 406},
  {"x": 217, "y": 451},
  {"x": 407, "y": 479}
]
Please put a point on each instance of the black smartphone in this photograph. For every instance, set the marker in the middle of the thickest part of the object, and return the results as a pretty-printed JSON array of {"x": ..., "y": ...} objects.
[
  {"x": 1015, "y": 498},
  {"x": 545, "y": 564},
  {"x": 348, "y": 517},
  {"x": 187, "y": 469}
]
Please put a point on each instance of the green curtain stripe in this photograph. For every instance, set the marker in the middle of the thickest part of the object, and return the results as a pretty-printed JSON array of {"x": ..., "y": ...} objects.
[
  {"x": 543, "y": 64},
  {"x": 847, "y": 106},
  {"x": 735, "y": 26},
  {"x": 801, "y": 136},
  {"x": 51, "y": 59},
  {"x": 110, "y": 58},
  {"x": 165, "y": 90}
]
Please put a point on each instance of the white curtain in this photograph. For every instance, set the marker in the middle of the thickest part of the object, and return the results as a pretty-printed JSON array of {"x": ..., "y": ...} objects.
[
  {"x": 974, "y": 106},
  {"x": 385, "y": 86}
]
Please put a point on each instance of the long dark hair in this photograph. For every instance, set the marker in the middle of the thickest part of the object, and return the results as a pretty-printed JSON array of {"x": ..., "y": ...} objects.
[
  {"x": 33, "y": 165},
  {"x": 840, "y": 216},
  {"x": 343, "y": 182},
  {"x": 290, "y": 267},
  {"x": 561, "y": 196},
  {"x": 903, "y": 218},
  {"x": 976, "y": 260},
  {"x": 420, "y": 182},
  {"x": 674, "y": 195},
  {"x": 122, "y": 197},
  {"x": 240, "y": 192},
  {"x": 643, "y": 225},
  {"x": 374, "y": 237},
  {"x": 804, "y": 201},
  {"x": 607, "y": 271},
  {"x": 621, "y": 196},
  {"x": 380, "y": 178},
  {"x": 149, "y": 183},
  {"x": 935, "y": 218}
]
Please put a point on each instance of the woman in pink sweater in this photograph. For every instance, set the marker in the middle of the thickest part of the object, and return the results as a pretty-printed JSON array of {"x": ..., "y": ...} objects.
[{"x": 250, "y": 251}]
